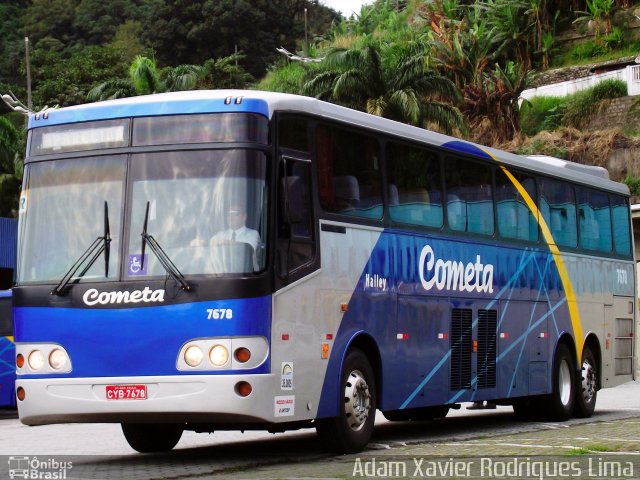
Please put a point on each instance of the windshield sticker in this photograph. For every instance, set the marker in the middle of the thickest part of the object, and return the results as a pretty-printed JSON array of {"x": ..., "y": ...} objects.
[{"x": 135, "y": 264}]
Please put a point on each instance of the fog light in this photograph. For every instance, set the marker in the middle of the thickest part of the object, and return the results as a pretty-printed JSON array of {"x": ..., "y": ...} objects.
[
  {"x": 193, "y": 356},
  {"x": 20, "y": 393},
  {"x": 57, "y": 359},
  {"x": 36, "y": 360},
  {"x": 19, "y": 360},
  {"x": 242, "y": 354},
  {"x": 243, "y": 389},
  {"x": 219, "y": 355}
]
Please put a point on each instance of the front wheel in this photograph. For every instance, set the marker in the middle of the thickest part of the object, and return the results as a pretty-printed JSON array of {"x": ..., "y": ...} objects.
[
  {"x": 147, "y": 438},
  {"x": 351, "y": 430},
  {"x": 587, "y": 386}
]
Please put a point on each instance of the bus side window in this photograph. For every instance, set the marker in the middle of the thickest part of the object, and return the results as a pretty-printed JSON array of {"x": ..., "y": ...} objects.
[
  {"x": 415, "y": 186},
  {"x": 558, "y": 206},
  {"x": 515, "y": 219},
  {"x": 621, "y": 222},
  {"x": 594, "y": 217},
  {"x": 469, "y": 187},
  {"x": 349, "y": 177}
]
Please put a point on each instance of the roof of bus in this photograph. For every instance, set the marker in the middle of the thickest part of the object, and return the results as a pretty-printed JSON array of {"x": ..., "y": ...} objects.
[{"x": 265, "y": 103}]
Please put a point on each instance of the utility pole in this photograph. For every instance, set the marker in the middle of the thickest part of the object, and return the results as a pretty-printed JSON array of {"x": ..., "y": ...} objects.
[
  {"x": 26, "y": 49},
  {"x": 306, "y": 38}
]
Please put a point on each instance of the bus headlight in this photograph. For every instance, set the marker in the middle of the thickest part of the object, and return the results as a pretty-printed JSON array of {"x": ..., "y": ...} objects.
[
  {"x": 193, "y": 356},
  {"x": 36, "y": 360},
  {"x": 57, "y": 359},
  {"x": 219, "y": 355}
]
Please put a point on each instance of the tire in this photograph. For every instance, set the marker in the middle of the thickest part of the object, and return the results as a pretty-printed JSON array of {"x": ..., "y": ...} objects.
[
  {"x": 149, "y": 438},
  {"x": 417, "y": 414},
  {"x": 351, "y": 430},
  {"x": 558, "y": 406},
  {"x": 586, "y": 385}
]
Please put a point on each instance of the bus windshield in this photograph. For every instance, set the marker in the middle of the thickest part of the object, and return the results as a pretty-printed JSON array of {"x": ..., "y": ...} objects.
[
  {"x": 206, "y": 209},
  {"x": 62, "y": 214}
]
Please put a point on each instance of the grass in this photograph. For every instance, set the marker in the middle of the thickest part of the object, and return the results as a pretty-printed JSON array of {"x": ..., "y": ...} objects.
[
  {"x": 575, "y": 110},
  {"x": 589, "y": 449},
  {"x": 579, "y": 55}
]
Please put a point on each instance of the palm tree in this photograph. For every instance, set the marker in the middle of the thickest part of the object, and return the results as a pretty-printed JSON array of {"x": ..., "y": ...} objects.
[
  {"x": 390, "y": 81},
  {"x": 144, "y": 79}
]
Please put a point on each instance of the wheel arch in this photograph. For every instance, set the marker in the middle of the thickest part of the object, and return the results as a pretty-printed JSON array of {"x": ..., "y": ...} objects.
[
  {"x": 567, "y": 340},
  {"x": 330, "y": 396}
]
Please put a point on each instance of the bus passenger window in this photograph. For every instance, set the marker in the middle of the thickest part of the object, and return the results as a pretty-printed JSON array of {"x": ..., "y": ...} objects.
[
  {"x": 415, "y": 186},
  {"x": 515, "y": 219},
  {"x": 621, "y": 222},
  {"x": 558, "y": 208},
  {"x": 349, "y": 176},
  {"x": 469, "y": 188},
  {"x": 594, "y": 217}
]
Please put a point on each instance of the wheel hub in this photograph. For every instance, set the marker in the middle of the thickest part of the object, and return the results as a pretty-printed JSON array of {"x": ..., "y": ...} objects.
[
  {"x": 357, "y": 400},
  {"x": 589, "y": 382}
]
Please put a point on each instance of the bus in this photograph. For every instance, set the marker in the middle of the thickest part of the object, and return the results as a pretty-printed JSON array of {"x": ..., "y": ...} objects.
[
  {"x": 7, "y": 353},
  {"x": 233, "y": 260}
]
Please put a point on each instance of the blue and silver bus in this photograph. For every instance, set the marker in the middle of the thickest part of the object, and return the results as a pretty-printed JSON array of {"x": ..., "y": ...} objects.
[
  {"x": 217, "y": 260},
  {"x": 7, "y": 353}
]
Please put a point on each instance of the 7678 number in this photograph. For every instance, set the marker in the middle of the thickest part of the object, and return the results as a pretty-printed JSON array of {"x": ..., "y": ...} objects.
[{"x": 219, "y": 313}]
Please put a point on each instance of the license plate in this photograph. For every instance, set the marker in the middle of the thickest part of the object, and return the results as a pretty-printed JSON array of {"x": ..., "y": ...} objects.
[{"x": 126, "y": 392}]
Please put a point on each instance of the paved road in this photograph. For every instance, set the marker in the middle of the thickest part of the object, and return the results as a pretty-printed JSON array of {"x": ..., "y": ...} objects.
[{"x": 299, "y": 454}]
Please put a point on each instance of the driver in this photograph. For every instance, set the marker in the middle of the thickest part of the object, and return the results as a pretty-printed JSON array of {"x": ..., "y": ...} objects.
[{"x": 237, "y": 231}]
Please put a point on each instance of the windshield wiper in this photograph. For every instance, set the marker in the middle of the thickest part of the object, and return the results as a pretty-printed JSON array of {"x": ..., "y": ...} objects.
[
  {"x": 161, "y": 255},
  {"x": 88, "y": 258}
]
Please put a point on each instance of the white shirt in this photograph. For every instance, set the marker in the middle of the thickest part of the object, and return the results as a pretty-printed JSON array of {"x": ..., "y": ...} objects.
[{"x": 243, "y": 234}]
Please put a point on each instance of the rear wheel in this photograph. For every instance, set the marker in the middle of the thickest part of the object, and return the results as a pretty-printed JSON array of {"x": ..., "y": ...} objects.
[
  {"x": 587, "y": 385},
  {"x": 149, "y": 438},
  {"x": 559, "y": 404},
  {"x": 351, "y": 430}
]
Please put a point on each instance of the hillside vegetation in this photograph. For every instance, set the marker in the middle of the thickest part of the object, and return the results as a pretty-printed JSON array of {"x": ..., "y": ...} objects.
[{"x": 457, "y": 66}]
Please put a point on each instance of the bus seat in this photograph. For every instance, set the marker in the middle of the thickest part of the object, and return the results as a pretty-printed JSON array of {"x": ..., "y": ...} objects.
[
  {"x": 456, "y": 213},
  {"x": 508, "y": 218},
  {"x": 394, "y": 197},
  {"x": 347, "y": 189}
]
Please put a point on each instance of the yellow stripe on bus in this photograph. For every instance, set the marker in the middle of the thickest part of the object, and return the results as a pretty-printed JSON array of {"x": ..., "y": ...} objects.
[
  {"x": 574, "y": 314},
  {"x": 557, "y": 257},
  {"x": 10, "y": 339}
]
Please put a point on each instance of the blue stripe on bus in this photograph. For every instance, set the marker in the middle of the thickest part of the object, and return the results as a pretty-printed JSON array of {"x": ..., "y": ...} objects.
[
  {"x": 7, "y": 373},
  {"x": 153, "y": 336},
  {"x": 111, "y": 110},
  {"x": 415, "y": 371},
  {"x": 465, "y": 147}
]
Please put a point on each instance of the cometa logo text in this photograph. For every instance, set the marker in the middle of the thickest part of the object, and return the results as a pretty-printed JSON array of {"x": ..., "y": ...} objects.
[
  {"x": 454, "y": 275},
  {"x": 93, "y": 296}
]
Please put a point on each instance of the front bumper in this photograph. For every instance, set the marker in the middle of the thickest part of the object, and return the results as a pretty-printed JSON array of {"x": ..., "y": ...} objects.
[{"x": 170, "y": 399}]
